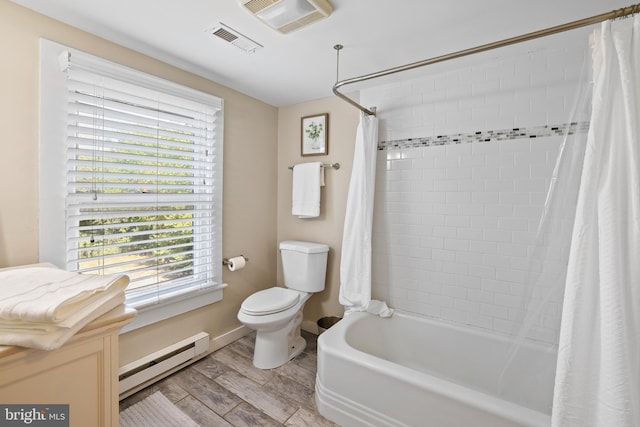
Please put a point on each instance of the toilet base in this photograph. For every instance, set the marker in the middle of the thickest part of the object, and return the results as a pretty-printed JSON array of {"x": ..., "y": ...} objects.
[
  {"x": 298, "y": 346},
  {"x": 273, "y": 349}
]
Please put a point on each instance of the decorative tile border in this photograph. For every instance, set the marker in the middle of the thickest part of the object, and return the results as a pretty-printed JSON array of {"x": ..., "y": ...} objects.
[{"x": 487, "y": 136}]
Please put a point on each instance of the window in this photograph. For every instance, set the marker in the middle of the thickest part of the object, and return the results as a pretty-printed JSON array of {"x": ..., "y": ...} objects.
[{"x": 141, "y": 181}]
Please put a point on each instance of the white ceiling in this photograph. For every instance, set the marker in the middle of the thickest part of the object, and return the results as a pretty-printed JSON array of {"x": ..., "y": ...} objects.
[{"x": 301, "y": 65}]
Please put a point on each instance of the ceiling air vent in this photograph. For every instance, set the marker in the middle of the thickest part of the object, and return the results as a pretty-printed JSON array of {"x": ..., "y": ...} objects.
[
  {"x": 237, "y": 39},
  {"x": 288, "y": 15}
]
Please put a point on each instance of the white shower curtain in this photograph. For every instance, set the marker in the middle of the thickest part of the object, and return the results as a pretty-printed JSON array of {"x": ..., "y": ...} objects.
[
  {"x": 597, "y": 376},
  {"x": 355, "y": 264}
]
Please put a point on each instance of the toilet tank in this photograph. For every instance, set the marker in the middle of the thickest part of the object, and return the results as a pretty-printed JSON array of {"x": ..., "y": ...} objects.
[{"x": 304, "y": 265}]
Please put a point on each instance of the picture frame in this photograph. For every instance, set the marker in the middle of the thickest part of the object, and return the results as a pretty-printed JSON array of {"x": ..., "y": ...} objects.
[{"x": 314, "y": 137}]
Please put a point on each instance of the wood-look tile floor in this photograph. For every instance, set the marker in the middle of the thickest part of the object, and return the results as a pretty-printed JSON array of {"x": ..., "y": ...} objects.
[{"x": 225, "y": 389}]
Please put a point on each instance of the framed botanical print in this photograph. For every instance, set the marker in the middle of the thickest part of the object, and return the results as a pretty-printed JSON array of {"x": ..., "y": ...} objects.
[{"x": 314, "y": 135}]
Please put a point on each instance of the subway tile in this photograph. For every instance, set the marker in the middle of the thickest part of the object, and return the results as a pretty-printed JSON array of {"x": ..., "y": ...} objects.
[
  {"x": 495, "y": 286},
  {"x": 442, "y": 301},
  {"x": 519, "y": 145},
  {"x": 453, "y": 315},
  {"x": 459, "y": 173},
  {"x": 480, "y": 320},
  {"x": 498, "y": 261},
  {"x": 401, "y": 164},
  {"x": 480, "y": 296},
  {"x": 471, "y": 185},
  {"x": 483, "y": 222},
  {"x": 531, "y": 212},
  {"x": 484, "y": 272},
  {"x": 530, "y": 185},
  {"x": 441, "y": 278},
  {"x": 447, "y": 162},
  {"x": 506, "y": 300},
  {"x": 443, "y": 255},
  {"x": 477, "y": 159},
  {"x": 502, "y": 210},
  {"x": 445, "y": 232},
  {"x": 537, "y": 199},
  {"x": 423, "y": 162},
  {"x": 458, "y": 197},
  {"x": 508, "y": 275},
  {"x": 410, "y": 174},
  {"x": 512, "y": 249},
  {"x": 485, "y": 173},
  {"x": 494, "y": 311},
  {"x": 470, "y": 233},
  {"x": 457, "y": 221},
  {"x": 456, "y": 245},
  {"x": 454, "y": 151},
  {"x": 434, "y": 196},
  {"x": 444, "y": 209},
  {"x": 394, "y": 154},
  {"x": 432, "y": 242},
  {"x": 446, "y": 185},
  {"x": 513, "y": 224},
  {"x": 466, "y": 305},
  {"x": 471, "y": 209},
  {"x": 483, "y": 247},
  {"x": 488, "y": 190},
  {"x": 499, "y": 185},
  {"x": 532, "y": 157},
  {"x": 485, "y": 197},
  {"x": 468, "y": 282},
  {"x": 469, "y": 258},
  {"x": 514, "y": 173},
  {"x": 498, "y": 235},
  {"x": 411, "y": 153},
  {"x": 435, "y": 220},
  {"x": 455, "y": 268},
  {"x": 434, "y": 174},
  {"x": 524, "y": 237},
  {"x": 480, "y": 151}
]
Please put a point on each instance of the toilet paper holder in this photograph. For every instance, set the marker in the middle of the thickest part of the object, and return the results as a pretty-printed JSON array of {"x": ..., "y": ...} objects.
[{"x": 225, "y": 261}]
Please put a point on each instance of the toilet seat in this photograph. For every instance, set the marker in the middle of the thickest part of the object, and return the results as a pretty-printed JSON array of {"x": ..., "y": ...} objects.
[{"x": 269, "y": 301}]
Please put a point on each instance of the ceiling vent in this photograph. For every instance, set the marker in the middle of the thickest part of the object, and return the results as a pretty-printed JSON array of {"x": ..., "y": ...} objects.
[
  {"x": 288, "y": 15},
  {"x": 237, "y": 39}
]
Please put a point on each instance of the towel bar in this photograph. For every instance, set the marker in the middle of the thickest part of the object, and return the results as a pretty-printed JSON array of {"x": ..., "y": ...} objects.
[{"x": 326, "y": 165}]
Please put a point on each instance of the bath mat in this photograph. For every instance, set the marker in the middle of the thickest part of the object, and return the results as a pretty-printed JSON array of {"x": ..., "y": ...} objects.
[{"x": 155, "y": 410}]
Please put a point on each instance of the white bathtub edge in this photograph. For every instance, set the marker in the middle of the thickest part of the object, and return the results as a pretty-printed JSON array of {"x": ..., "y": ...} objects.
[{"x": 348, "y": 413}]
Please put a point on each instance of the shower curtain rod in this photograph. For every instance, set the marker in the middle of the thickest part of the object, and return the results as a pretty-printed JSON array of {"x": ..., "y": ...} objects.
[{"x": 619, "y": 13}]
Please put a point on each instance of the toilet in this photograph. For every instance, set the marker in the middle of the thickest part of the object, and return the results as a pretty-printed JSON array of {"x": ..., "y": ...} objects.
[{"x": 276, "y": 313}]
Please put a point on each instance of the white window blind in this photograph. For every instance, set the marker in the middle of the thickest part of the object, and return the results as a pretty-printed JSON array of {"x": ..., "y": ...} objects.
[{"x": 143, "y": 180}]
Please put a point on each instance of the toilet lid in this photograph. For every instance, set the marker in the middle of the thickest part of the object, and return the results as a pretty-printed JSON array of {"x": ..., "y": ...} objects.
[{"x": 269, "y": 301}]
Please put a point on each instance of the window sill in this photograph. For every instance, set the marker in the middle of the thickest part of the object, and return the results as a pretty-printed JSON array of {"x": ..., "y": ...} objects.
[{"x": 174, "y": 306}]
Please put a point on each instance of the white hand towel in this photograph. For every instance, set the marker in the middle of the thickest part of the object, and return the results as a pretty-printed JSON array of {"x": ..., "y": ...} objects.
[{"x": 306, "y": 190}]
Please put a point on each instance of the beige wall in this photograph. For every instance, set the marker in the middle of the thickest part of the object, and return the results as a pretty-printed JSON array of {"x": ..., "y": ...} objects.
[
  {"x": 327, "y": 228},
  {"x": 250, "y": 159}
]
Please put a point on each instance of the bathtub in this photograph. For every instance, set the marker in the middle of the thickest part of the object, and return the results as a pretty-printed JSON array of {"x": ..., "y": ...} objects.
[{"x": 413, "y": 371}]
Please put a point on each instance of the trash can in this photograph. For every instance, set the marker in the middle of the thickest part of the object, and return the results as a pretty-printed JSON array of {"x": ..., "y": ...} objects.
[{"x": 325, "y": 323}]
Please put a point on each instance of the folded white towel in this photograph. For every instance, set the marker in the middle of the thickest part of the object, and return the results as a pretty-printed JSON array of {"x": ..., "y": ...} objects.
[
  {"x": 50, "y": 336},
  {"x": 45, "y": 294},
  {"x": 307, "y": 179},
  {"x": 42, "y": 306}
]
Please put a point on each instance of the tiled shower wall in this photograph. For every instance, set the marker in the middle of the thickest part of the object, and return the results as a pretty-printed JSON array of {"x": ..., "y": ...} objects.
[{"x": 464, "y": 163}]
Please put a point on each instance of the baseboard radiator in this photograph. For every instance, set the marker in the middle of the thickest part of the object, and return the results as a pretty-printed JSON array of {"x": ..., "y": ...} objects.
[{"x": 145, "y": 371}]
